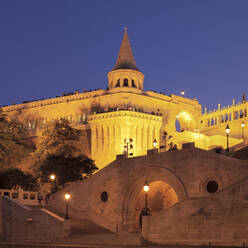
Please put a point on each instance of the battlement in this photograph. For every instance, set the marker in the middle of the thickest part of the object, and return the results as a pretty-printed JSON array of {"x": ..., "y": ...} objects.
[{"x": 227, "y": 113}]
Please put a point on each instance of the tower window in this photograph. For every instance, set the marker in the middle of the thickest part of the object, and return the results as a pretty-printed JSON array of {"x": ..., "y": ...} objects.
[
  {"x": 118, "y": 83},
  {"x": 125, "y": 82},
  {"x": 133, "y": 84}
]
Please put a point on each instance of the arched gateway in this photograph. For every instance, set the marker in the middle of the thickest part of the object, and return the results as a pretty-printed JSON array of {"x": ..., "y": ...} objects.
[{"x": 166, "y": 189}]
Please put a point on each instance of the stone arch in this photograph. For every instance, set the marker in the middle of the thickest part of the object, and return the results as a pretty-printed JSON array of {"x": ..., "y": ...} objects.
[
  {"x": 125, "y": 82},
  {"x": 241, "y": 113},
  {"x": 212, "y": 121},
  {"x": 129, "y": 199},
  {"x": 133, "y": 84},
  {"x": 118, "y": 83},
  {"x": 186, "y": 121},
  {"x": 226, "y": 117}
]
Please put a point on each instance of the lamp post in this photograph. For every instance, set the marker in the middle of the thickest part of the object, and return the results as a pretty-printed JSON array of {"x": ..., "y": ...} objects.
[
  {"x": 227, "y": 136},
  {"x": 155, "y": 143},
  {"x": 146, "y": 189},
  {"x": 52, "y": 177},
  {"x": 243, "y": 125},
  {"x": 67, "y": 198},
  {"x": 182, "y": 92}
]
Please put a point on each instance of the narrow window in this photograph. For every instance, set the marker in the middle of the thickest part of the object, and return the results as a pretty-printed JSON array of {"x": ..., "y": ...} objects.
[
  {"x": 118, "y": 83},
  {"x": 125, "y": 82},
  {"x": 133, "y": 84}
]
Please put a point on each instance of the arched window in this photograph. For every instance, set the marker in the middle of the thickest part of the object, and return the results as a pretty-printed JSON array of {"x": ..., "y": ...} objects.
[
  {"x": 230, "y": 117},
  {"x": 118, "y": 83},
  {"x": 212, "y": 121},
  {"x": 208, "y": 122},
  {"x": 241, "y": 114},
  {"x": 215, "y": 121},
  {"x": 222, "y": 119},
  {"x": 133, "y": 84},
  {"x": 125, "y": 82},
  {"x": 226, "y": 117},
  {"x": 236, "y": 115}
]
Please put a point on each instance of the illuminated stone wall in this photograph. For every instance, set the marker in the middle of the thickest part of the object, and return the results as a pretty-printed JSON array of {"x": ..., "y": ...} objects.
[
  {"x": 108, "y": 117},
  {"x": 214, "y": 122},
  {"x": 183, "y": 207}
]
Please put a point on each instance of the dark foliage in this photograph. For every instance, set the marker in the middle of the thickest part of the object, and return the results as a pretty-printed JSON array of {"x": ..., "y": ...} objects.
[
  {"x": 15, "y": 178},
  {"x": 66, "y": 169}
]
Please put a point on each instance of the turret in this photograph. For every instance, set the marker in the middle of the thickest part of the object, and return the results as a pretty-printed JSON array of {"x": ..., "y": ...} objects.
[{"x": 125, "y": 74}]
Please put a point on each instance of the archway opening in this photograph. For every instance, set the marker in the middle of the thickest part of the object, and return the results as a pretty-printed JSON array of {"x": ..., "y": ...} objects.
[
  {"x": 178, "y": 126},
  {"x": 160, "y": 196}
]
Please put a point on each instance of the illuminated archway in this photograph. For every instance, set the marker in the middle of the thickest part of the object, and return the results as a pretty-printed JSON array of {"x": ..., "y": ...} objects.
[
  {"x": 184, "y": 121},
  {"x": 160, "y": 196},
  {"x": 166, "y": 189}
]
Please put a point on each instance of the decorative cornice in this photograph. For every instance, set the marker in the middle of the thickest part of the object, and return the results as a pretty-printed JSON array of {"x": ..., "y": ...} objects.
[{"x": 125, "y": 113}]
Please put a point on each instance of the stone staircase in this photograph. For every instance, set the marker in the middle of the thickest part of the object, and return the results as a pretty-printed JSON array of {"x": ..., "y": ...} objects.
[{"x": 85, "y": 232}]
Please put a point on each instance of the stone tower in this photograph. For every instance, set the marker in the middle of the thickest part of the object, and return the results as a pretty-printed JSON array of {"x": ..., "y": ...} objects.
[{"x": 125, "y": 76}]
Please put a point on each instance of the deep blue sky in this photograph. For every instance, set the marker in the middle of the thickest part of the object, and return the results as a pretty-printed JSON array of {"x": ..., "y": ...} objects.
[{"x": 48, "y": 47}]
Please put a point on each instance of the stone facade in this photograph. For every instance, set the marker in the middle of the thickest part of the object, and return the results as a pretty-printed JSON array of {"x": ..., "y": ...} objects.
[{"x": 184, "y": 206}]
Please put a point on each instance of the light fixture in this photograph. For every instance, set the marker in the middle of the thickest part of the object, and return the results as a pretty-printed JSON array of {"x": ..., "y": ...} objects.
[
  {"x": 67, "y": 198},
  {"x": 155, "y": 143}
]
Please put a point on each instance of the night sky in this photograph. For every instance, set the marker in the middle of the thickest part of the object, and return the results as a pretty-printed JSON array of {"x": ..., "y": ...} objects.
[{"x": 48, "y": 47}]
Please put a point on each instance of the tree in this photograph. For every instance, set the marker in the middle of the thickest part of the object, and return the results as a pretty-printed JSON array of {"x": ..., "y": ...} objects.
[
  {"x": 66, "y": 169},
  {"x": 57, "y": 137},
  {"x": 15, "y": 143},
  {"x": 57, "y": 154},
  {"x": 15, "y": 178}
]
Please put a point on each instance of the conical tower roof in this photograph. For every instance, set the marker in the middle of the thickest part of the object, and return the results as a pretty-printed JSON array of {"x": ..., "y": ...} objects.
[{"x": 125, "y": 58}]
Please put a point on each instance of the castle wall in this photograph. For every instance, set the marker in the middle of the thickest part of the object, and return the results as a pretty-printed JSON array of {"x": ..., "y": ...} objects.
[
  {"x": 214, "y": 122},
  {"x": 187, "y": 171},
  {"x": 217, "y": 220},
  {"x": 99, "y": 115}
]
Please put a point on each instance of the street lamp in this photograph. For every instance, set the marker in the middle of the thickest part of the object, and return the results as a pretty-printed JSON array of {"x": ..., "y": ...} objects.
[
  {"x": 182, "y": 92},
  {"x": 227, "y": 136},
  {"x": 155, "y": 143},
  {"x": 146, "y": 189},
  {"x": 52, "y": 177},
  {"x": 243, "y": 125},
  {"x": 67, "y": 198}
]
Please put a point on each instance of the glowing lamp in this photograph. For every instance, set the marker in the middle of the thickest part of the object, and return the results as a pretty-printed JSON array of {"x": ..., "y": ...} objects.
[
  {"x": 243, "y": 124},
  {"x": 52, "y": 177},
  {"x": 155, "y": 143},
  {"x": 67, "y": 196},
  {"x": 227, "y": 129},
  {"x": 146, "y": 186}
]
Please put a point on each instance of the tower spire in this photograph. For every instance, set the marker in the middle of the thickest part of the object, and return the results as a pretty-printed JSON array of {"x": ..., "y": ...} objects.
[{"x": 125, "y": 59}]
